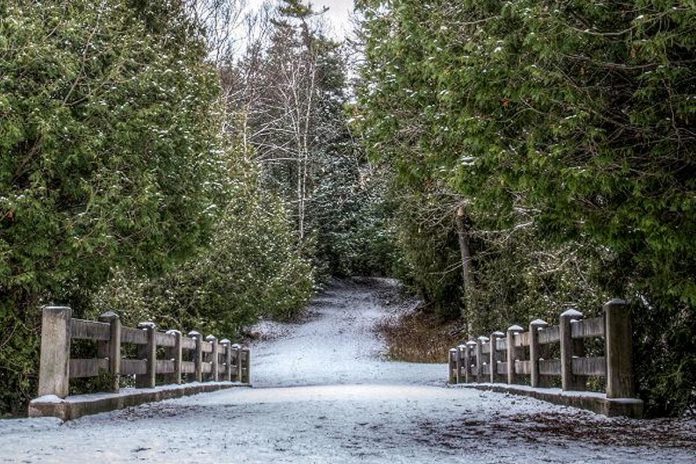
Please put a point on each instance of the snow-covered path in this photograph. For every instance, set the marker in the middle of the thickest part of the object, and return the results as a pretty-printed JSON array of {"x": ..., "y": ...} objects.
[{"x": 323, "y": 395}]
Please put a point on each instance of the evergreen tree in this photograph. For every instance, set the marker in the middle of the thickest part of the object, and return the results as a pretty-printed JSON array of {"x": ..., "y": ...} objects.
[
  {"x": 289, "y": 93},
  {"x": 107, "y": 149},
  {"x": 569, "y": 122}
]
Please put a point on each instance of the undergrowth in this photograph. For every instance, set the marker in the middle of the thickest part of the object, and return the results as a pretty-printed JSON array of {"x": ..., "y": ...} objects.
[{"x": 419, "y": 336}]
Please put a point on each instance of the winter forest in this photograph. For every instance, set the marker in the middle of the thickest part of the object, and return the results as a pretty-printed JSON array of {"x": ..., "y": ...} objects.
[{"x": 208, "y": 164}]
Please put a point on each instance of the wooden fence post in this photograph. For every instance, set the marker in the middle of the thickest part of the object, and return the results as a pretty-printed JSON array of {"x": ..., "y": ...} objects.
[
  {"x": 225, "y": 343},
  {"x": 197, "y": 355},
  {"x": 246, "y": 356},
  {"x": 619, "y": 350},
  {"x": 212, "y": 339},
  {"x": 237, "y": 350},
  {"x": 535, "y": 350},
  {"x": 479, "y": 357},
  {"x": 513, "y": 352},
  {"x": 176, "y": 356},
  {"x": 460, "y": 363},
  {"x": 149, "y": 353},
  {"x": 494, "y": 354},
  {"x": 54, "y": 364},
  {"x": 568, "y": 380},
  {"x": 469, "y": 349},
  {"x": 112, "y": 348},
  {"x": 452, "y": 365}
]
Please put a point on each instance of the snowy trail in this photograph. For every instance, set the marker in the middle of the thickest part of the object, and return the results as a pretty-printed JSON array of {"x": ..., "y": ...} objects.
[{"x": 323, "y": 394}]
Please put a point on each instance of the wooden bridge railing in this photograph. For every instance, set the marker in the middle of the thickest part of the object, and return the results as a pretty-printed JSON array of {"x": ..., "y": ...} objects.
[
  {"x": 183, "y": 358},
  {"x": 519, "y": 357}
]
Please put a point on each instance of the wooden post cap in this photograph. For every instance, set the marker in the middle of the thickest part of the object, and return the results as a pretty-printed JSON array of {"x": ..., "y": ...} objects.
[
  {"x": 572, "y": 313},
  {"x": 55, "y": 309},
  {"x": 108, "y": 316},
  {"x": 194, "y": 334},
  {"x": 147, "y": 325}
]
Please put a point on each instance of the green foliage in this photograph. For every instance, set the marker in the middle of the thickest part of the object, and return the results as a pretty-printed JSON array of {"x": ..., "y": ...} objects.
[
  {"x": 115, "y": 179},
  {"x": 351, "y": 230},
  {"x": 429, "y": 258},
  {"x": 290, "y": 94},
  {"x": 106, "y": 144},
  {"x": 522, "y": 276},
  {"x": 250, "y": 269},
  {"x": 574, "y": 117}
]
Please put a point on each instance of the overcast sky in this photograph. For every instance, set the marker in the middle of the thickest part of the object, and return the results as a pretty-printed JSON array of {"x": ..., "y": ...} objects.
[{"x": 338, "y": 14}]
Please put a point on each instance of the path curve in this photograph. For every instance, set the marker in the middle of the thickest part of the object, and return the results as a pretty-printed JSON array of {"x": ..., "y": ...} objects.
[{"x": 324, "y": 394}]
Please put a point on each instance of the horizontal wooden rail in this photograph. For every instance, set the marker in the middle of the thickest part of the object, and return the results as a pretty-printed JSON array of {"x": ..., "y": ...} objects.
[
  {"x": 501, "y": 357},
  {"x": 165, "y": 339},
  {"x": 523, "y": 367},
  {"x": 87, "y": 367},
  {"x": 133, "y": 366},
  {"x": 186, "y": 357},
  {"x": 89, "y": 330},
  {"x": 550, "y": 367},
  {"x": 596, "y": 366},
  {"x": 588, "y": 328},
  {"x": 549, "y": 335},
  {"x": 134, "y": 336},
  {"x": 188, "y": 367}
]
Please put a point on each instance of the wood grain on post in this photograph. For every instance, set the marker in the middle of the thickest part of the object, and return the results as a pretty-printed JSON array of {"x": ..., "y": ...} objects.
[
  {"x": 535, "y": 350},
  {"x": 568, "y": 380},
  {"x": 214, "y": 360},
  {"x": 54, "y": 364},
  {"x": 112, "y": 348},
  {"x": 479, "y": 357},
  {"x": 578, "y": 345},
  {"x": 237, "y": 352},
  {"x": 227, "y": 350},
  {"x": 493, "y": 355},
  {"x": 246, "y": 372},
  {"x": 197, "y": 355},
  {"x": 459, "y": 363},
  {"x": 469, "y": 349},
  {"x": 148, "y": 352},
  {"x": 452, "y": 365},
  {"x": 513, "y": 352},
  {"x": 619, "y": 350},
  {"x": 175, "y": 354}
]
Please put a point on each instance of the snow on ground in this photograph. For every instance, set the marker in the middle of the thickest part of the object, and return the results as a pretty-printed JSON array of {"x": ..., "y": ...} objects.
[{"x": 323, "y": 394}]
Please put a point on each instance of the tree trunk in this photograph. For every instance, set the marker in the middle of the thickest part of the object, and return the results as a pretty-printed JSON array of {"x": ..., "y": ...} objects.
[{"x": 462, "y": 223}]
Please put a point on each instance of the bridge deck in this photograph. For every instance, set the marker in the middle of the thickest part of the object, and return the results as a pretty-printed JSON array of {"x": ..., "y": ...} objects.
[{"x": 324, "y": 395}]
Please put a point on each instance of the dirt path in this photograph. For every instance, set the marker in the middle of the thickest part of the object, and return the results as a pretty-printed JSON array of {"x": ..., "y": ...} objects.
[{"x": 324, "y": 395}]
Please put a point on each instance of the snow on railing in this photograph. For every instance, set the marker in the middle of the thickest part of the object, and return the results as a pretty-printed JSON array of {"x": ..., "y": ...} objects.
[
  {"x": 185, "y": 358},
  {"x": 524, "y": 358}
]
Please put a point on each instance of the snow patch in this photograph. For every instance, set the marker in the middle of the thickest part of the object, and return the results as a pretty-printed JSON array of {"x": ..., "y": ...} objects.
[{"x": 330, "y": 396}]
